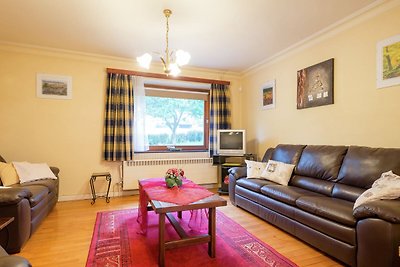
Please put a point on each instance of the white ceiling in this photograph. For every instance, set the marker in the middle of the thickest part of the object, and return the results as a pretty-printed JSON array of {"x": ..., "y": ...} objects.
[{"x": 230, "y": 35}]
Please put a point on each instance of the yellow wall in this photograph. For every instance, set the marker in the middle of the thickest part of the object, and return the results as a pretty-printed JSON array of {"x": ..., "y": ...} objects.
[
  {"x": 68, "y": 133},
  {"x": 361, "y": 113},
  {"x": 63, "y": 133}
]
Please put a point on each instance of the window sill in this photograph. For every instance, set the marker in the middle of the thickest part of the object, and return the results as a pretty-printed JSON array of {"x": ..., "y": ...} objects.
[{"x": 169, "y": 151}]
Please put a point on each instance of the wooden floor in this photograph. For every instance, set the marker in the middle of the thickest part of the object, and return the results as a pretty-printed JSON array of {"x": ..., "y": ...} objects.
[{"x": 64, "y": 237}]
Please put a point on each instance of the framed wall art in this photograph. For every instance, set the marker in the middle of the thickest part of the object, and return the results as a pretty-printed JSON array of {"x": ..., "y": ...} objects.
[
  {"x": 53, "y": 86},
  {"x": 268, "y": 95},
  {"x": 315, "y": 85},
  {"x": 388, "y": 62}
]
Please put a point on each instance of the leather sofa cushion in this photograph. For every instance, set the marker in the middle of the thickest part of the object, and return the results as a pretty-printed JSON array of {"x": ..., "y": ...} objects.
[
  {"x": 39, "y": 192},
  {"x": 12, "y": 195},
  {"x": 363, "y": 165},
  {"x": 321, "y": 162},
  {"x": 49, "y": 183},
  {"x": 253, "y": 184},
  {"x": 338, "y": 210},
  {"x": 313, "y": 184},
  {"x": 286, "y": 194},
  {"x": 347, "y": 192},
  {"x": 331, "y": 228},
  {"x": 247, "y": 193},
  {"x": 287, "y": 153}
]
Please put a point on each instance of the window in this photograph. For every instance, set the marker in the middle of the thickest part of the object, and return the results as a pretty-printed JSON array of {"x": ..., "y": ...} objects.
[{"x": 176, "y": 119}]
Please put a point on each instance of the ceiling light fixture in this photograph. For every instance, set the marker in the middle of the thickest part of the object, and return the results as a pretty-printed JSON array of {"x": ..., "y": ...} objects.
[{"x": 172, "y": 61}]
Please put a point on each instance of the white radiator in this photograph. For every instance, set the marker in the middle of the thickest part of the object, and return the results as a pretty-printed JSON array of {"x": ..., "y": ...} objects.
[{"x": 199, "y": 170}]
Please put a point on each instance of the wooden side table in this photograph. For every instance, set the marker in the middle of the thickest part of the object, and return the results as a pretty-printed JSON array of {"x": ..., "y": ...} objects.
[
  {"x": 4, "y": 221},
  {"x": 107, "y": 175}
]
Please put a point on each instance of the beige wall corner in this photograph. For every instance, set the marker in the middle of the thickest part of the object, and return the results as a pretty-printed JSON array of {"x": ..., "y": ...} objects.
[{"x": 361, "y": 113}]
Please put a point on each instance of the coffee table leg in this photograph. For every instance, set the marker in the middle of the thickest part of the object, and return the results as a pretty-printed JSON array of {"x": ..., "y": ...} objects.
[
  {"x": 211, "y": 231},
  {"x": 161, "y": 241}
]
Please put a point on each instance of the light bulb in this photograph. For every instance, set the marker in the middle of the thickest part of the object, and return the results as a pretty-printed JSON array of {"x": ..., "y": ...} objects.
[
  {"x": 144, "y": 60},
  {"x": 174, "y": 69},
  {"x": 182, "y": 57}
]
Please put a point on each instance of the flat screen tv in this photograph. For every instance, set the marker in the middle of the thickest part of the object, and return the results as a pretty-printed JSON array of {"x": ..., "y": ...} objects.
[{"x": 231, "y": 142}]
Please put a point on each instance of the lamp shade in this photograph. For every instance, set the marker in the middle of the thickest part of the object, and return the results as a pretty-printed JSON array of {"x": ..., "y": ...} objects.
[
  {"x": 144, "y": 60},
  {"x": 174, "y": 69},
  {"x": 182, "y": 57}
]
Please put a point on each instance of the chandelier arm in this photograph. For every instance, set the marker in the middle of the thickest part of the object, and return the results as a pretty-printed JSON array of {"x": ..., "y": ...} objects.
[
  {"x": 170, "y": 60},
  {"x": 167, "y": 14},
  {"x": 163, "y": 62}
]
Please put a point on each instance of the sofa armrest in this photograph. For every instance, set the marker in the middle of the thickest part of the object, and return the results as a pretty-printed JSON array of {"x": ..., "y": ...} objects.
[
  {"x": 234, "y": 174},
  {"x": 238, "y": 172},
  {"x": 9, "y": 196},
  {"x": 55, "y": 170},
  {"x": 388, "y": 210}
]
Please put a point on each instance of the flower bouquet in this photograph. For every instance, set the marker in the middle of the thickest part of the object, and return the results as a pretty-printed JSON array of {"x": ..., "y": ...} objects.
[{"x": 173, "y": 177}]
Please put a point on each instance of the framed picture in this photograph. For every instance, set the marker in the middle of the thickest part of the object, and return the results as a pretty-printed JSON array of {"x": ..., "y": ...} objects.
[
  {"x": 388, "y": 63},
  {"x": 268, "y": 95},
  {"x": 53, "y": 86},
  {"x": 315, "y": 85}
]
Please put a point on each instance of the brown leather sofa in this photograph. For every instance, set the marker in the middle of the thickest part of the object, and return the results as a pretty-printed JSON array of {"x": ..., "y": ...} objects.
[
  {"x": 317, "y": 205},
  {"x": 29, "y": 204}
]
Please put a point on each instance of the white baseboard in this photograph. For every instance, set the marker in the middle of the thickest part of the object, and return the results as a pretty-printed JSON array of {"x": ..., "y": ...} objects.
[
  {"x": 115, "y": 194},
  {"x": 89, "y": 196}
]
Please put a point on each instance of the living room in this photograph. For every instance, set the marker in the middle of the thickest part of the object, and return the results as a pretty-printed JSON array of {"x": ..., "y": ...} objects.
[{"x": 68, "y": 134}]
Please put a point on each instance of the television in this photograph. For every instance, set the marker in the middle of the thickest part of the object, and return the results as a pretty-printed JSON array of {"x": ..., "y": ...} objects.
[{"x": 231, "y": 142}]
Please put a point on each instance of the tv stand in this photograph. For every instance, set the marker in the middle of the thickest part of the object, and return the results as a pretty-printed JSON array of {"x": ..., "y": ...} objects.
[{"x": 224, "y": 163}]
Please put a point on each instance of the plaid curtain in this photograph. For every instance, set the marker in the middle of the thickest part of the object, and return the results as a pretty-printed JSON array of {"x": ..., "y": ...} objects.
[
  {"x": 220, "y": 114},
  {"x": 118, "y": 144}
]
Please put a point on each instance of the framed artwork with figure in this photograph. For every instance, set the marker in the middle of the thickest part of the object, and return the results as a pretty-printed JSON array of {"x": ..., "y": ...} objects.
[
  {"x": 315, "y": 85},
  {"x": 388, "y": 62}
]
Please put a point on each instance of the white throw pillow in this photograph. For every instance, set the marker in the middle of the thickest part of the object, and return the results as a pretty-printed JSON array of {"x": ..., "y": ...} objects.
[
  {"x": 28, "y": 172},
  {"x": 386, "y": 187},
  {"x": 278, "y": 172},
  {"x": 255, "y": 168}
]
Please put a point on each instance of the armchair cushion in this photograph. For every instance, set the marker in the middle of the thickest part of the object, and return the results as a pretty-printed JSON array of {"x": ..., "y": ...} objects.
[
  {"x": 33, "y": 171},
  {"x": 10, "y": 196}
]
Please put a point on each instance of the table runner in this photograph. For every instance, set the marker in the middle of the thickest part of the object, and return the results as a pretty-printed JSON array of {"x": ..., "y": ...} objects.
[{"x": 189, "y": 192}]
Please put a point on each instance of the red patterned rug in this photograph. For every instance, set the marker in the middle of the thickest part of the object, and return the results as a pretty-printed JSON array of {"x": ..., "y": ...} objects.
[{"x": 115, "y": 242}]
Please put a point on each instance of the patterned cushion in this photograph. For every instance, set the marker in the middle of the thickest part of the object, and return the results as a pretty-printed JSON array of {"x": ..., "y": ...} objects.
[
  {"x": 254, "y": 168},
  {"x": 278, "y": 172},
  {"x": 386, "y": 187}
]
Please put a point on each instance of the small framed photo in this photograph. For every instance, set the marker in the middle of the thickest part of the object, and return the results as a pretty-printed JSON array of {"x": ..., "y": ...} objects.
[
  {"x": 268, "y": 95},
  {"x": 53, "y": 86},
  {"x": 388, "y": 64}
]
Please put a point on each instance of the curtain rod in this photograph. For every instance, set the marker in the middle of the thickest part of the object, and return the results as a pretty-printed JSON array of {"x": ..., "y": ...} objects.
[{"x": 164, "y": 76}]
